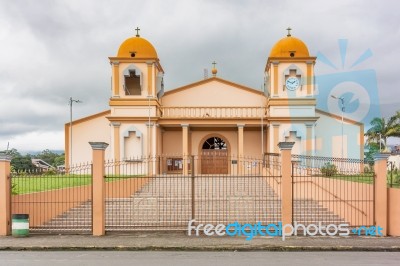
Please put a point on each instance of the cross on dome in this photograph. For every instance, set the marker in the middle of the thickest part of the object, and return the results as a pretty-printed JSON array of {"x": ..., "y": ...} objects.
[
  {"x": 288, "y": 33},
  {"x": 137, "y": 31}
]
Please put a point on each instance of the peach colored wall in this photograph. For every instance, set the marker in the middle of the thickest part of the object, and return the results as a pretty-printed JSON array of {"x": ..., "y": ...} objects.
[
  {"x": 126, "y": 187},
  {"x": 211, "y": 93},
  {"x": 393, "y": 212},
  {"x": 172, "y": 143},
  {"x": 341, "y": 197},
  {"x": 252, "y": 144},
  {"x": 142, "y": 67},
  {"x": 281, "y": 80},
  {"x": 97, "y": 130},
  {"x": 44, "y": 206}
]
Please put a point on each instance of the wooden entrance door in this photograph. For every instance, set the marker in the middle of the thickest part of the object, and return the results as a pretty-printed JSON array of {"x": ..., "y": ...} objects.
[{"x": 214, "y": 161}]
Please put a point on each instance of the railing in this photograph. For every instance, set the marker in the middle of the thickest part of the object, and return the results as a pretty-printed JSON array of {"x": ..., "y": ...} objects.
[{"x": 213, "y": 112}]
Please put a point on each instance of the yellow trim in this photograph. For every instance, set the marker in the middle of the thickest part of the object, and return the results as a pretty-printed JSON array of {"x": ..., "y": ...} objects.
[
  {"x": 289, "y": 60},
  {"x": 205, "y": 81},
  {"x": 290, "y": 102},
  {"x": 293, "y": 119},
  {"x": 116, "y": 79},
  {"x": 150, "y": 79},
  {"x": 309, "y": 80},
  {"x": 140, "y": 60},
  {"x": 275, "y": 79},
  {"x": 133, "y": 102}
]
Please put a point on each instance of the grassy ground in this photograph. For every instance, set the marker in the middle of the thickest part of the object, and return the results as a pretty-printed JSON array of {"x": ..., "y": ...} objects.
[
  {"x": 30, "y": 184},
  {"x": 368, "y": 179},
  {"x": 24, "y": 185}
]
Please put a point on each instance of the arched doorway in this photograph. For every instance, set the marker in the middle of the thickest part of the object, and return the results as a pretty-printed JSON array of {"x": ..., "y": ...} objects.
[{"x": 214, "y": 156}]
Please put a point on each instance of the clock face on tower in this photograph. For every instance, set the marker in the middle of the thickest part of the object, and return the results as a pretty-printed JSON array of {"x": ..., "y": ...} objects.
[{"x": 292, "y": 83}]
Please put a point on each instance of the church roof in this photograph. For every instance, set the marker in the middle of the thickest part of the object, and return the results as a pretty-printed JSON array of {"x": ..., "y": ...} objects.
[{"x": 205, "y": 81}]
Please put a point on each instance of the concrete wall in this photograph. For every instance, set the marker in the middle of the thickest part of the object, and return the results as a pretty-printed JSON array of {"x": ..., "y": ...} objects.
[
  {"x": 213, "y": 93},
  {"x": 95, "y": 129},
  {"x": 394, "y": 211},
  {"x": 328, "y": 133}
]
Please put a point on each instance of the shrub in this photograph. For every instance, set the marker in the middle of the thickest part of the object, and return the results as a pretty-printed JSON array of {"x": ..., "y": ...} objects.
[
  {"x": 329, "y": 169},
  {"x": 14, "y": 189}
]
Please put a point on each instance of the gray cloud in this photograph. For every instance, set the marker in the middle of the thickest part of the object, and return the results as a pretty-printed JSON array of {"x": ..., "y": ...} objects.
[{"x": 51, "y": 50}]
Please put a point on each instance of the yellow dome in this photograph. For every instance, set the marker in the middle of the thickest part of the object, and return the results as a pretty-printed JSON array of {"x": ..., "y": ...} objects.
[
  {"x": 137, "y": 47},
  {"x": 289, "y": 47}
]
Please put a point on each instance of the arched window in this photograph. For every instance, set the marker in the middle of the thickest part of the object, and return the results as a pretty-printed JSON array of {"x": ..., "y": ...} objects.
[{"x": 214, "y": 143}]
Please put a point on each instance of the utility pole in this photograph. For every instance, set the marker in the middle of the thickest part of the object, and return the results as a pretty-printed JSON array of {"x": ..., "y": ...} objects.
[{"x": 71, "y": 101}]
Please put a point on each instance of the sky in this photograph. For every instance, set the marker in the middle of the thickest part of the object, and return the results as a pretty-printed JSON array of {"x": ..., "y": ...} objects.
[{"x": 53, "y": 50}]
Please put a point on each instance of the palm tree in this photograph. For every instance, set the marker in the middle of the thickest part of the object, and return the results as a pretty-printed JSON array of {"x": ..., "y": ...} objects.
[{"x": 383, "y": 128}]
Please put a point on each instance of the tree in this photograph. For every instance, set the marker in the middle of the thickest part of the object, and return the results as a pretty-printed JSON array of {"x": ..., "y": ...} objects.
[
  {"x": 382, "y": 129},
  {"x": 22, "y": 162}
]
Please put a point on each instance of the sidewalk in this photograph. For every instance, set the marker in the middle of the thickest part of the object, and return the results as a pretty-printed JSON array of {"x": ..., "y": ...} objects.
[{"x": 180, "y": 241}]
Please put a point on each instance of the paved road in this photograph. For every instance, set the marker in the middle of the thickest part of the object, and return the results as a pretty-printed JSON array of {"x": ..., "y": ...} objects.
[{"x": 165, "y": 258}]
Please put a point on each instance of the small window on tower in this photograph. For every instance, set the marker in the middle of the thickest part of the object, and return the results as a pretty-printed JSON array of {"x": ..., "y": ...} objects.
[{"x": 132, "y": 84}]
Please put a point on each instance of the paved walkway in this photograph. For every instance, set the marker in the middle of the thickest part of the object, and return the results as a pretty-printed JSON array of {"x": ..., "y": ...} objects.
[{"x": 180, "y": 241}]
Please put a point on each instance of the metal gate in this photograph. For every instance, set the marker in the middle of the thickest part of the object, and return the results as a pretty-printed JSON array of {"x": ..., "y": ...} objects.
[
  {"x": 332, "y": 191},
  {"x": 136, "y": 201},
  {"x": 56, "y": 201}
]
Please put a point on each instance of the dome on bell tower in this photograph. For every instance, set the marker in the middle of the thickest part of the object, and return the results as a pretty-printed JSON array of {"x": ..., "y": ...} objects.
[
  {"x": 289, "y": 47},
  {"x": 137, "y": 47}
]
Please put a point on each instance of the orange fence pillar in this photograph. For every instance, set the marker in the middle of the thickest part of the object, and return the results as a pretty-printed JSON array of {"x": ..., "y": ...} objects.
[
  {"x": 5, "y": 194},
  {"x": 286, "y": 184},
  {"x": 381, "y": 195},
  {"x": 99, "y": 212}
]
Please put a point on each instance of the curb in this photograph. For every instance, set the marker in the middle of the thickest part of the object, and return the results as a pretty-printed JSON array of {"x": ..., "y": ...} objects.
[{"x": 204, "y": 248}]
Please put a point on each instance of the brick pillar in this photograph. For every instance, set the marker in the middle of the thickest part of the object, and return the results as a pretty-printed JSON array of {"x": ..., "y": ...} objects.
[
  {"x": 99, "y": 220},
  {"x": 286, "y": 184},
  {"x": 185, "y": 148},
  {"x": 381, "y": 195},
  {"x": 5, "y": 195}
]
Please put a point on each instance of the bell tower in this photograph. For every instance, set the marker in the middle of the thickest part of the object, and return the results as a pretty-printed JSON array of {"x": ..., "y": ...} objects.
[
  {"x": 289, "y": 83},
  {"x": 137, "y": 84}
]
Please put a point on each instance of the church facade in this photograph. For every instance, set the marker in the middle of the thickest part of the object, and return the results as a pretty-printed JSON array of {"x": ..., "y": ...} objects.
[{"x": 212, "y": 118}]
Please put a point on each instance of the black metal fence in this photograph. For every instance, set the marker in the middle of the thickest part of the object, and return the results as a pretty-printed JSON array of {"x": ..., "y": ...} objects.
[
  {"x": 56, "y": 201},
  {"x": 168, "y": 200},
  {"x": 332, "y": 191}
]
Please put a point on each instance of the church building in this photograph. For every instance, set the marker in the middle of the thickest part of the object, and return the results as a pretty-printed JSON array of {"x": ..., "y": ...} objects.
[{"x": 213, "y": 117}]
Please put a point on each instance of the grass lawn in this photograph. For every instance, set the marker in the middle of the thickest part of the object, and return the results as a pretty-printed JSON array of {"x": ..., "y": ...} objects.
[
  {"x": 24, "y": 185},
  {"x": 367, "y": 178},
  {"x": 30, "y": 184}
]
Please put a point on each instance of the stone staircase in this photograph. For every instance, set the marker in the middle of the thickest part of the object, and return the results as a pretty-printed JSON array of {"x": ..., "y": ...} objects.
[{"x": 166, "y": 204}]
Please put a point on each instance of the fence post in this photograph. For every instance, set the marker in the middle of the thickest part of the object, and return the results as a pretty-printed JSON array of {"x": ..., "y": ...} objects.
[
  {"x": 381, "y": 195},
  {"x": 5, "y": 194},
  {"x": 99, "y": 214},
  {"x": 193, "y": 187},
  {"x": 286, "y": 184}
]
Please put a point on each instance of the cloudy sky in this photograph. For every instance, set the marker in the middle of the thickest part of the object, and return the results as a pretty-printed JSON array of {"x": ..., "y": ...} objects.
[{"x": 51, "y": 50}]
